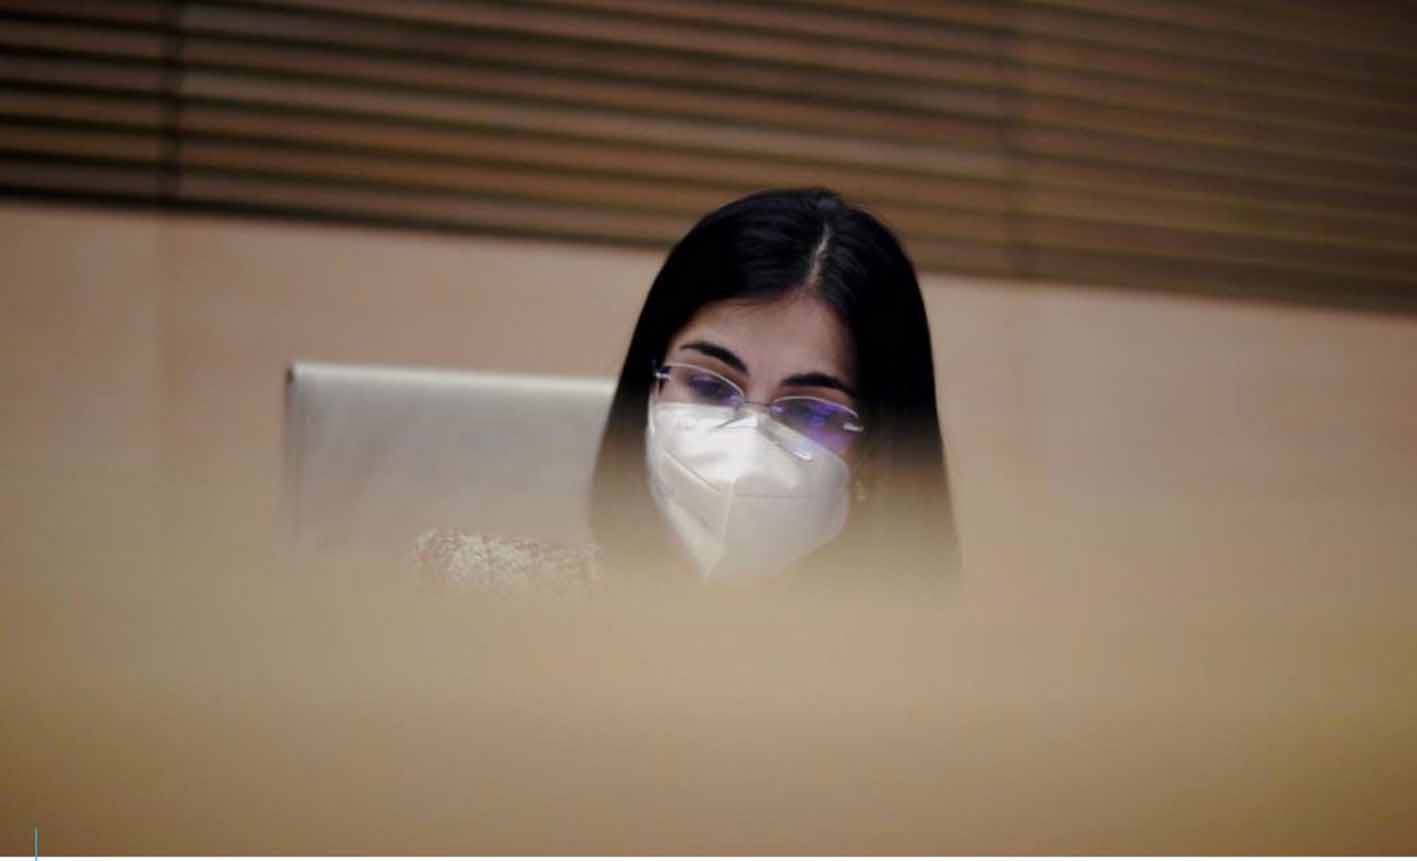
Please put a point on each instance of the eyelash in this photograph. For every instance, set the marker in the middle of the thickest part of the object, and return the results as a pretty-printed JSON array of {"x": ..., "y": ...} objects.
[{"x": 719, "y": 367}]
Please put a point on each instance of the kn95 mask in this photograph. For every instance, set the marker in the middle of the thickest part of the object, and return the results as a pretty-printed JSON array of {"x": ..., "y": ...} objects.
[{"x": 745, "y": 495}]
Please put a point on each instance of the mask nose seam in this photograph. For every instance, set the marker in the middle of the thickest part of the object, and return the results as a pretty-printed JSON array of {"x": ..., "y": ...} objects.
[
  {"x": 762, "y": 423},
  {"x": 742, "y": 413}
]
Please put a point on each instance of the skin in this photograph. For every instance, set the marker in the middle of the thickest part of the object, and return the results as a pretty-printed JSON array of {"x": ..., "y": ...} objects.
[{"x": 791, "y": 346}]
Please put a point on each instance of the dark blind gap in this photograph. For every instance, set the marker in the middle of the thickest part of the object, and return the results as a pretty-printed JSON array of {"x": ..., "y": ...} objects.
[
  {"x": 86, "y": 100},
  {"x": 1251, "y": 147}
]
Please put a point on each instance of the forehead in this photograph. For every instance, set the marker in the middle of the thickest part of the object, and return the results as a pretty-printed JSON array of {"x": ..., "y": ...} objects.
[{"x": 795, "y": 334}]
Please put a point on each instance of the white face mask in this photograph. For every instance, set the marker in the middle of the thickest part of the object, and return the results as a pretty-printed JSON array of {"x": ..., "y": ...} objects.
[{"x": 740, "y": 502}]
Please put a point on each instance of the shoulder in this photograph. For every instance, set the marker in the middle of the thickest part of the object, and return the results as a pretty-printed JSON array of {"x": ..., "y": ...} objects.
[{"x": 446, "y": 557}]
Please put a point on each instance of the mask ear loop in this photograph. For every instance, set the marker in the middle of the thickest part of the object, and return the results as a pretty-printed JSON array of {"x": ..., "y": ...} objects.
[{"x": 867, "y": 467}]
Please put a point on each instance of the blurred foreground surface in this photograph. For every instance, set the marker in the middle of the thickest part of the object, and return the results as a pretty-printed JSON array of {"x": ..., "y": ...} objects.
[{"x": 168, "y": 702}]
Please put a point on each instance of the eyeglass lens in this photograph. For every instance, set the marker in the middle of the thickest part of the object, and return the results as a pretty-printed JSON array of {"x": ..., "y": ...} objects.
[{"x": 830, "y": 424}]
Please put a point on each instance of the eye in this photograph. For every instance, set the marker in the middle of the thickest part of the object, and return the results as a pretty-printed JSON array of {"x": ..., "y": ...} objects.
[
  {"x": 710, "y": 389},
  {"x": 829, "y": 423},
  {"x": 811, "y": 413},
  {"x": 802, "y": 412}
]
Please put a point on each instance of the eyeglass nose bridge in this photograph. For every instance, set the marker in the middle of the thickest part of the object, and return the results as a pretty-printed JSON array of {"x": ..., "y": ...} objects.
[
  {"x": 745, "y": 414},
  {"x": 750, "y": 414}
]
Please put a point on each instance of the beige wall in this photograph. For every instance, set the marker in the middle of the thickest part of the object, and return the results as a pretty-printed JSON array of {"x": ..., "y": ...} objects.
[
  {"x": 1120, "y": 443},
  {"x": 82, "y": 318},
  {"x": 1119, "y": 437}
]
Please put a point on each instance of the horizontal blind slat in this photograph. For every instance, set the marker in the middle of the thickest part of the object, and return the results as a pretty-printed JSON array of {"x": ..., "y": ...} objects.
[
  {"x": 1289, "y": 110},
  {"x": 429, "y": 176},
  {"x": 98, "y": 11},
  {"x": 81, "y": 141},
  {"x": 85, "y": 38},
  {"x": 1230, "y": 132},
  {"x": 488, "y": 113},
  {"x": 69, "y": 177},
  {"x": 979, "y": 13},
  {"x": 800, "y": 21},
  {"x": 1208, "y": 75},
  {"x": 1168, "y": 185},
  {"x": 586, "y": 92},
  {"x": 1216, "y": 160},
  {"x": 632, "y": 33},
  {"x": 1133, "y": 34},
  {"x": 113, "y": 75},
  {"x": 301, "y": 31},
  {"x": 564, "y": 186},
  {"x": 1291, "y": 22},
  {"x": 58, "y": 104},
  {"x": 553, "y": 152}
]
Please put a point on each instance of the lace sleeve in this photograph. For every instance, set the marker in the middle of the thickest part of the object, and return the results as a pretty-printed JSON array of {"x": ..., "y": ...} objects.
[{"x": 492, "y": 563}]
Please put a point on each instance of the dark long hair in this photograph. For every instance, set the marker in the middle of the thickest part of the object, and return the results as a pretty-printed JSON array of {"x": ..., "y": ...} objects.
[{"x": 760, "y": 248}]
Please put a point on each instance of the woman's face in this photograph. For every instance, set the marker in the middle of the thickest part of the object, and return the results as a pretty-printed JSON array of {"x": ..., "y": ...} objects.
[{"x": 791, "y": 346}]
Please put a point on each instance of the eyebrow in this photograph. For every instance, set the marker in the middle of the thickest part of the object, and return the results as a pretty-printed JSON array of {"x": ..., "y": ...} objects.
[
  {"x": 815, "y": 379},
  {"x": 723, "y": 354},
  {"x": 819, "y": 380}
]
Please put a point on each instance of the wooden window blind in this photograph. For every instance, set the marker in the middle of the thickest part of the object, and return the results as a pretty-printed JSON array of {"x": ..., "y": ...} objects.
[{"x": 1249, "y": 147}]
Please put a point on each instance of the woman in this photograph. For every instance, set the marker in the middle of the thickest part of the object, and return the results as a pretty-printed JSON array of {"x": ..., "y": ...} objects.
[
  {"x": 775, "y": 414},
  {"x": 774, "y": 420}
]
